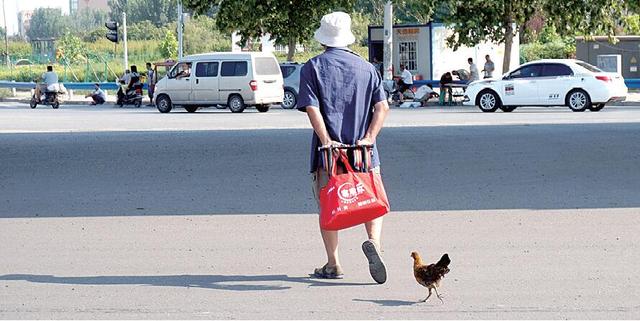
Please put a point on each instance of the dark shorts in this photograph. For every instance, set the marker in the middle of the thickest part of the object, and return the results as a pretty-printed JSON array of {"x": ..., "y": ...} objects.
[
  {"x": 97, "y": 99},
  {"x": 402, "y": 87}
]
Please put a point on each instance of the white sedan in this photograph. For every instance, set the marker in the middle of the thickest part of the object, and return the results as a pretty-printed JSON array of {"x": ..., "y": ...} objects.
[{"x": 553, "y": 82}]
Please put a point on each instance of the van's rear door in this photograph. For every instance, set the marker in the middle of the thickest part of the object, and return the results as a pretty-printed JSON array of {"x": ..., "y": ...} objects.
[{"x": 269, "y": 80}]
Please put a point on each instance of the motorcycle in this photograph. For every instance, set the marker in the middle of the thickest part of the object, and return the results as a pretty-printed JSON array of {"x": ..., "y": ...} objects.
[
  {"x": 130, "y": 97},
  {"x": 391, "y": 88},
  {"x": 50, "y": 96}
]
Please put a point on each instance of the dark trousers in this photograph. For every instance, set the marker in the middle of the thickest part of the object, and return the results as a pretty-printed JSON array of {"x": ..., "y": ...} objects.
[{"x": 97, "y": 99}]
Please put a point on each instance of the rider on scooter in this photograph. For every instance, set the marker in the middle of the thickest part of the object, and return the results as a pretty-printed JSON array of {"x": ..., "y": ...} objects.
[
  {"x": 129, "y": 83},
  {"x": 47, "y": 79}
]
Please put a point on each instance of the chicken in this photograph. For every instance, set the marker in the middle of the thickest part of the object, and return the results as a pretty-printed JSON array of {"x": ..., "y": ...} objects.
[{"x": 430, "y": 275}]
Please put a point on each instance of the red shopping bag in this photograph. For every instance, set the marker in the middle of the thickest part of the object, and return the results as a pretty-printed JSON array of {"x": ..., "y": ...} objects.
[{"x": 351, "y": 198}]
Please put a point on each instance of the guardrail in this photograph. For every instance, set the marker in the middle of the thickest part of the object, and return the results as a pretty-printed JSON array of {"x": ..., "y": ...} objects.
[{"x": 68, "y": 85}]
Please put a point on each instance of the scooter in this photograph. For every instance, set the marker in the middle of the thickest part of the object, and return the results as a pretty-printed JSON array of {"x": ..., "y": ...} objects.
[
  {"x": 48, "y": 97},
  {"x": 391, "y": 88},
  {"x": 131, "y": 97}
]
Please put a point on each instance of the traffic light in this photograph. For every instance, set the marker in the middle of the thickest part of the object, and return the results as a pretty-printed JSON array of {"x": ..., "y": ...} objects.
[{"x": 112, "y": 34}]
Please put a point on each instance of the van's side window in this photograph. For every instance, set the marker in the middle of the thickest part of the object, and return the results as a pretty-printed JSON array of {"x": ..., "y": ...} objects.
[
  {"x": 207, "y": 69},
  {"x": 233, "y": 68}
]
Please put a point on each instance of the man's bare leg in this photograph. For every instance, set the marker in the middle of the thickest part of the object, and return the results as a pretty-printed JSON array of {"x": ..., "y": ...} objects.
[{"x": 330, "y": 239}]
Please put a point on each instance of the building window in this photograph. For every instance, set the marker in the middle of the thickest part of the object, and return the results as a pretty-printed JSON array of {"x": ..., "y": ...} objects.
[
  {"x": 73, "y": 6},
  {"x": 407, "y": 55}
]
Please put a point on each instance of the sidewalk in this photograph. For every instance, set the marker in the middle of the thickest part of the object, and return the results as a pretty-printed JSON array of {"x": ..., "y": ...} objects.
[{"x": 633, "y": 99}]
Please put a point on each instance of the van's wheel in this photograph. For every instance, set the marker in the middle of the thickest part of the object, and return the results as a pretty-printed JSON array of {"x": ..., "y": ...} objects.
[
  {"x": 262, "y": 108},
  {"x": 596, "y": 107},
  {"x": 488, "y": 101},
  {"x": 289, "y": 100},
  {"x": 163, "y": 103},
  {"x": 508, "y": 109},
  {"x": 578, "y": 100},
  {"x": 191, "y": 109},
  {"x": 33, "y": 103},
  {"x": 55, "y": 104},
  {"x": 236, "y": 104}
]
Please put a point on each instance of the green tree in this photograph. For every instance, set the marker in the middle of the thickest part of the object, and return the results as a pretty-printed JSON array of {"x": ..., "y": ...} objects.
[
  {"x": 145, "y": 30},
  {"x": 48, "y": 23},
  {"x": 201, "y": 35},
  {"x": 287, "y": 21},
  {"x": 475, "y": 21},
  {"x": 158, "y": 12},
  {"x": 596, "y": 17},
  {"x": 169, "y": 45},
  {"x": 72, "y": 48}
]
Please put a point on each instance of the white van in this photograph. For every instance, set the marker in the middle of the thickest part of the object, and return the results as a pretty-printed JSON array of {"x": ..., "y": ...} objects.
[{"x": 234, "y": 79}]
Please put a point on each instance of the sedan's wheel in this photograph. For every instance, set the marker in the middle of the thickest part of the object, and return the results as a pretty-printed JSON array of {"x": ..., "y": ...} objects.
[
  {"x": 236, "y": 104},
  {"x": 596, "y": 107},
  {"x": 508, "y": 109},
  {"x": 578, "y": 100},
  {"x": 488, "y": 101},
  {"x": 262, "y": 108},
  {"x": 163, "y": 103},
  {"x": 289, "y": 100},
  {"x": 191, "y": 109}
]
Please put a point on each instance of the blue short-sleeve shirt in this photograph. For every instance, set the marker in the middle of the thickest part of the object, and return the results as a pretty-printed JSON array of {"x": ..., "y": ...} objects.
[{"x": 345, "y": 88}]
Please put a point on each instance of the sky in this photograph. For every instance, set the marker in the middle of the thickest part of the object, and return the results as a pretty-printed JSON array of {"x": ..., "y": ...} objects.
[{"x": 12, "y": 8}]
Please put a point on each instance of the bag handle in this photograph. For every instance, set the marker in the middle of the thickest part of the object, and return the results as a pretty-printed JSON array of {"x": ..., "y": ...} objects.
[
  {"x": 342, "y": 156},
  {"x": 331, "y": 157}
]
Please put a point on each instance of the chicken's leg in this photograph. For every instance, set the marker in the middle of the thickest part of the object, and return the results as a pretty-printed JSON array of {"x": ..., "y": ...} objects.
[
  {"x": 427, "y": 298},
  {"x": 438, "y": 295}
]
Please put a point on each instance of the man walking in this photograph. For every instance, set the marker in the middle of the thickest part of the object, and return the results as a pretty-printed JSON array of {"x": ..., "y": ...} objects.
[
  {"x": 343, "y": 97},
  {"x": 150, "y": 83},
  {"x": 473, "y": 71}
]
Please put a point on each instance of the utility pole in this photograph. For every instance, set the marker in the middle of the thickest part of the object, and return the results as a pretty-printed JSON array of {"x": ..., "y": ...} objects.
[
  {"x": 124, "y": 38},
  {"x": 6, "y": 36},
  {"x": 388, "y": 41},
  {"x": 180, "y": 26}
]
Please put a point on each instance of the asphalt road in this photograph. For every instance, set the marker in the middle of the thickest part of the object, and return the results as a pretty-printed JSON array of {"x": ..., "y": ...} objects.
[{"x": 212, "y": 217}]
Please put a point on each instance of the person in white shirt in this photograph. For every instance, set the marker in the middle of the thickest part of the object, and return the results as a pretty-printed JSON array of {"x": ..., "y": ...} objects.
[
  {"x": 473, "y": 71},
  {"x": 47, "y": 79},
  {"x": 489, "y": 67},
  {"x": 97, "y": 95},
  {"x": 405, "y": 82}
]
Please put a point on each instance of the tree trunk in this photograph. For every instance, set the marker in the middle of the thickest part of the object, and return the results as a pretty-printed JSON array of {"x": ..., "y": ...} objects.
[
  {"x": 291, "y": 48},
  {"x": 508, "y": 43}
]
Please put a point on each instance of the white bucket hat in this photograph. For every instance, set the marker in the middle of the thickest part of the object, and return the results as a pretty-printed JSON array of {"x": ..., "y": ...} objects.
[{"x": 335, "y": 30}]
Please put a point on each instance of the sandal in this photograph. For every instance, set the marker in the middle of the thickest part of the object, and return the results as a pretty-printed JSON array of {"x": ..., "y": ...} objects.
[
  {"x": 327, "y": 272},
  {"x": 376, "y": 265}
]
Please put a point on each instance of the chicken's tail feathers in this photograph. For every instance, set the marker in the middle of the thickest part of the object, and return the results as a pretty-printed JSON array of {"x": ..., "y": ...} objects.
[{"x": 444, "y": 261}]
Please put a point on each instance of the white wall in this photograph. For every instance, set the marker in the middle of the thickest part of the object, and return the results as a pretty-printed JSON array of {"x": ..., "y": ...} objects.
[{"x": 446, "y": 59}]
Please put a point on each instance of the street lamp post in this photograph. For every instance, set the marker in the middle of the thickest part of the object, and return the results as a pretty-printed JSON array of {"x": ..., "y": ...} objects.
[
  {"x": 6, "y": 35},
  {"x": 388, "y": 41}
]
